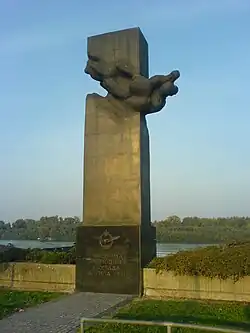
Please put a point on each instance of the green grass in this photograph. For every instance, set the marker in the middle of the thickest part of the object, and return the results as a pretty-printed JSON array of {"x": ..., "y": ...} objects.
[
  {"x": 12, "y": 301},
  {"x": 235, "y": 315}
]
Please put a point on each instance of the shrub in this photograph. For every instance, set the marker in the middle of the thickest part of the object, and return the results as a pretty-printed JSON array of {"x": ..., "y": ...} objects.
[
  {"x": 223, "y": 262},
  {"x": 10, "y": 254},
  {"x": 38, "y": 256}
]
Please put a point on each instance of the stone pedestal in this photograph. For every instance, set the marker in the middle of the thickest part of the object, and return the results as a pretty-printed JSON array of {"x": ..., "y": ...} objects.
[{"x": 110, "y": 258}]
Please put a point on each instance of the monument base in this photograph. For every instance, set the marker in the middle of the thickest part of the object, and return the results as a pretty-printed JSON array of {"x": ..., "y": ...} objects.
[
  {"x": 148, "y": 245},
  {"x": 109, "y": 258}
]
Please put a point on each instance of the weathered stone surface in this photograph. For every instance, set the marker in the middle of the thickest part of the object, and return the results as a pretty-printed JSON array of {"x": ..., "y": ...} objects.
[
  {"x": 169, "y": 285},
  {"x": 123, "y": 82},
  {"x": 113, "y": 173},
  {"x": 116, "y": 144},
  {"x": 35, "y": 276},
  {"x": 116, "y": 162},
  {"x": 134, "y": 90}
]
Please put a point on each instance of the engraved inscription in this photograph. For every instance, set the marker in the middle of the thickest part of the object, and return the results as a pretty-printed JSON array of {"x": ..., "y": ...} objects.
[{"x": 108, "y": 265}]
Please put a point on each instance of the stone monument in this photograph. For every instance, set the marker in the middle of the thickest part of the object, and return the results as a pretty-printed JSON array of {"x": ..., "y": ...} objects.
[{"x": 116, "y": 239}]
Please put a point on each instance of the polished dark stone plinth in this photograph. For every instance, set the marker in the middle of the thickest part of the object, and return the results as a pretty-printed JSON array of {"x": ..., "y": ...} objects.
[{"x": 109, "y": 259}]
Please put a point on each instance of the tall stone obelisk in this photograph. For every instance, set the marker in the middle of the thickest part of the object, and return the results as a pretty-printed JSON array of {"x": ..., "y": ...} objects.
[{"x": 116, "y": 239}]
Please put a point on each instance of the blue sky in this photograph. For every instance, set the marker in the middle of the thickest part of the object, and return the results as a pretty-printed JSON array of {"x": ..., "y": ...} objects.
[{"x": 200, "y": 161}]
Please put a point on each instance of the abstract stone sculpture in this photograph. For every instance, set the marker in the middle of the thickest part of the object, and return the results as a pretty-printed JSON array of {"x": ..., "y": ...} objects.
[
  {"x": 117, "y": 239},
  {"x": 119, "y": 78}
]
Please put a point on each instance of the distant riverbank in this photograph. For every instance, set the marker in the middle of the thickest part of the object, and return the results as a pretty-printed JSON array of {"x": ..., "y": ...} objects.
[{"x": 162, "y": 249}]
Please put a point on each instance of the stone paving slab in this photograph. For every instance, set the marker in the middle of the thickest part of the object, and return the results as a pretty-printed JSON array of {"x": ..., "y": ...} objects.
[{"x": 62, "y": 315}]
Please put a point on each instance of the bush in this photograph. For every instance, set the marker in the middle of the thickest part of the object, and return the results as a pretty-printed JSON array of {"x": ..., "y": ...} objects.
[
  {"x": 223, "y": 262},
  {"x": 10, "y": 254},
  {"x": 52, "y": 257},
  {"x": 38, "y": 256}
]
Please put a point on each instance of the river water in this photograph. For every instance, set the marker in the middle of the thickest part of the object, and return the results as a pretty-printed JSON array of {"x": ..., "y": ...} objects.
[{"x": 162, "y": 249}]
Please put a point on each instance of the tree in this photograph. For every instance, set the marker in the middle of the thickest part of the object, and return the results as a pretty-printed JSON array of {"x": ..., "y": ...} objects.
[{"x": 19, "y": 224}]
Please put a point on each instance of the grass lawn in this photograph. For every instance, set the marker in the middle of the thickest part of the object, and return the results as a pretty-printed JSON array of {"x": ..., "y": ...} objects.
[
  {"x": 13, "y": 301},
  {"x": 235, "y": 315}
]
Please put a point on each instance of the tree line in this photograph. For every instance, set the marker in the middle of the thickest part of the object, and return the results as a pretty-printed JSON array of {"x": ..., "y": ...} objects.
[
  {"x": 171, "y": 230},
  {"x": 46, "y": 228},
  {"x": 203, "y": 230}
]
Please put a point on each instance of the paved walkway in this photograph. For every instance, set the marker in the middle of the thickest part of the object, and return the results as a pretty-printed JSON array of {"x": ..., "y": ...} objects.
[{"x": 62, "y": 315}]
